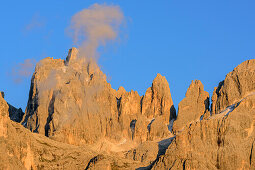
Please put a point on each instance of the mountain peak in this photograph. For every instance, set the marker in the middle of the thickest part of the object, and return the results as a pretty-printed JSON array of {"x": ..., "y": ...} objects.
[{"x": 72, "y": 55}]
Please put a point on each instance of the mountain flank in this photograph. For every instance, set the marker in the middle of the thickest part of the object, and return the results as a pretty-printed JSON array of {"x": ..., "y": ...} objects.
[{"x": 74, "y": 119}]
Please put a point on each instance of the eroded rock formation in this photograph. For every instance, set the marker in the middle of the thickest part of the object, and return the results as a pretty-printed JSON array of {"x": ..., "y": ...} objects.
[
  {"x": 193, "y": 106},
  {"x": 237, "y": 84},
  {"x": 21, "y": 149},
  {"x": 224, "y": 140},
  {"x": 157, "y": 100},
  {"x": 80, "y": 122},
  {"x": 71, "y": 101}
]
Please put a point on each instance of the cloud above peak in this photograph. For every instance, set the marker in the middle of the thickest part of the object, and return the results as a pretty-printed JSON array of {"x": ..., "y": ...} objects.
[{"x": 94, "y": 27}]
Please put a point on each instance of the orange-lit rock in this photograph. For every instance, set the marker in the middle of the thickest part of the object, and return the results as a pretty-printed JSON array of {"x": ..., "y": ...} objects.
[
  {"x": 193, "y": 106},
  {"x": 71, "y": 101}
]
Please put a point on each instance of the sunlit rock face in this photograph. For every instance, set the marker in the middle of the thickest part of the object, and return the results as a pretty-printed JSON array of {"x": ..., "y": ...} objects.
[
  {"x": 22, "y": 149},
  {"x": 193, "y": 106},
  {"x": 157, "y": 100},
  {"x": 238, "y": 84},
  {"x": 71, "y": 101},
  {"x": 225, "y": 139},
  {"x": 4, "y": 115}
]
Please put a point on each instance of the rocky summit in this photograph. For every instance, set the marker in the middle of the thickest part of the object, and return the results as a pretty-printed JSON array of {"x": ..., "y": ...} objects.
[{"x": 74, "y": 119}]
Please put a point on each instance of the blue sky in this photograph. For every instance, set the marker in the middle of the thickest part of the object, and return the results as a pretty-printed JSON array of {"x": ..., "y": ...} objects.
[{"x": 182, "y": 40}]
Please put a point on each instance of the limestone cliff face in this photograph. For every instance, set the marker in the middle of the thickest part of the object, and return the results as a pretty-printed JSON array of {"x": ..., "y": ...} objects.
[
  {"x": 4, "y": 115},
  {"x": 71, "y": 105},
  {"x": 224, "y": 141},
  {"x": 71, "y": 101},
  {"x": 237, "y": 84},
  {"x": 157, "y": 100},
  {"x": 193, "y": 106},
  {"x": 21, "y": 149}
]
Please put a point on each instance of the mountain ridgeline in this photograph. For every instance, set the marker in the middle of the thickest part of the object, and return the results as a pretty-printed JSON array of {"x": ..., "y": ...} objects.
[{"x": 75, "y": 120}]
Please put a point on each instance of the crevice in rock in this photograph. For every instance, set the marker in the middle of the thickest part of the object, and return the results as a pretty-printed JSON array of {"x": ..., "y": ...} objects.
[
  {"x": 173, "y": 115},
  {"x": 93, "y": 161},
  {"x": 163, "y": 146},
  {"x": 201, "y": 117},
  {"x": 251, "y": 152},
  {"x": 141, "y": 104},
  {"x": 118, "y": 106},
  {"x": 221, "y": 131},
  {"x": 217, "y": 92},
  {"x": 50, "y": 114},
  {"x": 218, "y": 162},
  {"x": 183, "y": 165},
  {"x": 152, "y": 94},
  {"x": 37, "y": 124},
  {"x": 161, "y": 106},
  {"x": 91, "y": 76},
  {"x": 207, "y": 104},
  {"x": 88, "y": 66},
  {"x": 149, "y": 125},
  {"x": 134, "y": 154},
  {"x": 132, "y": 127},
  {"x": 32, "y": 104}
]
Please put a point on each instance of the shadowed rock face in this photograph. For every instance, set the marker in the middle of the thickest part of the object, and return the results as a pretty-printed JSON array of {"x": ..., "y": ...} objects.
[
  {"x": 14, "y": 113},
  {"x": 193, "y": 106},
  {"x": 71, "y": 101}
]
